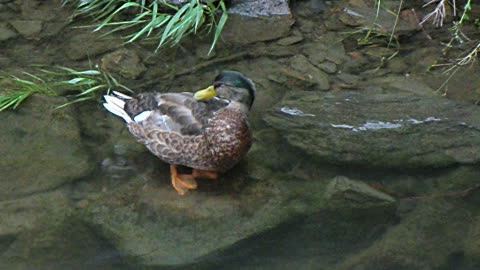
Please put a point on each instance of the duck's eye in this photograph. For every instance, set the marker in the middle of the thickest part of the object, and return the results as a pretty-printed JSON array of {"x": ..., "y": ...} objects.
[{"x": 217, "y": 84}]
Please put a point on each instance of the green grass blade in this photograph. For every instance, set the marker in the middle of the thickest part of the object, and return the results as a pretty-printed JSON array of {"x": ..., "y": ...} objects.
[
  {"x": 220, "y": 25},
  {"x": 110, "y": 17},
  {"x": 172, "y": 22}
]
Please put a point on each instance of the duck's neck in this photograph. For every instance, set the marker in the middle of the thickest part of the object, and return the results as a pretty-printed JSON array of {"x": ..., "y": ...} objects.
[{"x": 234, "y": 105}]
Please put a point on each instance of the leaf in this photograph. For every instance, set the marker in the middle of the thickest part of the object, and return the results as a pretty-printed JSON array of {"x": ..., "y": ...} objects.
[{"x": 220, "y": 25}]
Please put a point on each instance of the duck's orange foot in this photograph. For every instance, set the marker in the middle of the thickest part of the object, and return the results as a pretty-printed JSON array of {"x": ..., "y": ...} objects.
[
  {"x": 182, "y": 182},
  {"x": 204, "y": 174}
]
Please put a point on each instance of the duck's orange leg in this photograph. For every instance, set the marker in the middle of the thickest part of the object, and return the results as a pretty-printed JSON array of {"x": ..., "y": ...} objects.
[
  {"x": 204, "y": 174},
  {"x": 182, "y": 182}
]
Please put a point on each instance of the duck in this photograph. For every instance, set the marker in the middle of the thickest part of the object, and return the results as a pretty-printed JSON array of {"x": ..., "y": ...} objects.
[{"x": 199, "y": 134}]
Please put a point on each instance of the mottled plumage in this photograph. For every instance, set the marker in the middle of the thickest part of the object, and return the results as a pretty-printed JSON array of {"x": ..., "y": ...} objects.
[{"x": 201, "y": 132}]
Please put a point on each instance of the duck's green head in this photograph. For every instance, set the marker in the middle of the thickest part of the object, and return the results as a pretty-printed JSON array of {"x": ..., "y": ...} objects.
[{"x": 230, "y": 85}]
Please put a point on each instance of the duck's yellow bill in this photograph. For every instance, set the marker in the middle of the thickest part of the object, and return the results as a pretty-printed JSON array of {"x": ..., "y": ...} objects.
[{"x": 206, "y": 93}]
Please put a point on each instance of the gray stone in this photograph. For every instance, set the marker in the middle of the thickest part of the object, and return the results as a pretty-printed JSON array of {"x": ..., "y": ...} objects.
[
  {"x": 43, "y": 147},
  {"x": 312, "y": 73},
  {"x": 379, "y": 128},
  {"x": 292, "y": 79},
  {"x": 328, "y": 67},
  {"x": 20, "y": 215},
  {"x": 42, "y": 233},
  {"x": 27, "y": 28},
  {"x": 355, "y": 194},
  {"x": 84, "y": 44},
  {"x": 385, "y": 22},
  {"x": 251, "y": 21},
  {"x": 412, "y": 84},
  {"x": 6, "y": 33},
  {"x": 152, "y": 225},
  {"x": 446, "y": 226},
  {"x": 397, "y": 64},
  {"x": 125, "y": 62},
  {"x": 328, "y": 48},
  {"x": 348, "y": 78},
  {"x": 290, "y": 40}
]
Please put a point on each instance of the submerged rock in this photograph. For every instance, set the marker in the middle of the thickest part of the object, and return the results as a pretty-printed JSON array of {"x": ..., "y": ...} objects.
[
  {"x": 151, "y": 224},
  {"x": 436, "y": 235},
  {"x": 379, "y": 128},
  {"x": 6, "y": 33},
  {"x": 355, "y": 194},
  {"x": 41, "y": 148},
  {"x": 19, "y": 215},
  {"x": 125, "y": 62},
  {"x": 27, "y": 28},
  {"x": 252, "y": 21},
  {"x": 81, "y": 45},
  {"x": 310, "y": 72}
]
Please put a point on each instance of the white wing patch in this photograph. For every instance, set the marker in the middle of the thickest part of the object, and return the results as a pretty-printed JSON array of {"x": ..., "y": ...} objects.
[{"x": 142, "y": 116}]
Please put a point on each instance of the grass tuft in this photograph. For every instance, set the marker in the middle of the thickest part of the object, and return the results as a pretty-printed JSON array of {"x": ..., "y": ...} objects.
[
  {"x": 21, "y": 89},
  {"x": 85, "y": 84},
  {"x": 165, "y": 23}
]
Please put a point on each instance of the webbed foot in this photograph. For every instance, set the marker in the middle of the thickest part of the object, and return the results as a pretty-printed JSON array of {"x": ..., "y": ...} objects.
[{"x": 182, "y": 182}]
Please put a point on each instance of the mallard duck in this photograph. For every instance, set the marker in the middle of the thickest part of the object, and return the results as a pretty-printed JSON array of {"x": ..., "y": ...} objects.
[{"x": 206, "y": 131}]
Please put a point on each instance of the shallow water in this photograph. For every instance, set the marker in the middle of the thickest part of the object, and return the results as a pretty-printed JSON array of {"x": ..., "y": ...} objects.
[{"x": 330, "y": 182}]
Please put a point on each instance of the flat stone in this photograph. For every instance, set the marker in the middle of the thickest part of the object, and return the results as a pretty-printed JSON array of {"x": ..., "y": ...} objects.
[
  {"x": 292, "y": 78},
  {"x": 84, "y": 44},
  {"x": 327, "y": 49},
  {"x": 443, "y": 225},
  {"x": 125, "y": 62},
  {"x": 346, "y": 192},
  {"x": 19, "y": 215},
  {"x": 384, "y": 21},
  {"x": 379, "y": 128},
  {"x": 348, "y": 78},
  {"x": 6, "y": 33},
  {"x": 154, "y": 226},
  {"x": 312, "y": 73},
  {"x": 27, "y": 28},
  {"x": 43, "y": 147},
  {"x": 290, "y": 40},
  {"x": 328, "y": 67},
  {"x": 251, "y": 21}
]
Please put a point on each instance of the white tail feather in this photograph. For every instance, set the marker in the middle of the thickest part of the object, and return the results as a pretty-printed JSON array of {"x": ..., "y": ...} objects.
[
  {"x": 115, "y": 105},
  {"x": 122, "y": 95}
]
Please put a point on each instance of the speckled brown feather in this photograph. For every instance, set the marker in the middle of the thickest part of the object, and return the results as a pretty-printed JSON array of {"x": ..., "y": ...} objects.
[{"x": 214, "y": 139}]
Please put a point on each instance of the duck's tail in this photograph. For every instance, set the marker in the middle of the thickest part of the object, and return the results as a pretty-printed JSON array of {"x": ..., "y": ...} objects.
[{"x": 115, "y": 103}]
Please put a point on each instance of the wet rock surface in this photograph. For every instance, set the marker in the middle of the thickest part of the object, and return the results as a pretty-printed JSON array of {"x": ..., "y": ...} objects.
[
  {"x": 355, "y": 194},
  {"x": 43, "y": 147},
  {"x": 153, "y": 225},
  {"x": 252, "y": 21},
  {"x": 126, "y": 63},
  {"x": 379, "y": 128}
]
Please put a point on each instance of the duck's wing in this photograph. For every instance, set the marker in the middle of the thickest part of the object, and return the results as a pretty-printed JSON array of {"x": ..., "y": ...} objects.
[{"x": 176, "y": 112}]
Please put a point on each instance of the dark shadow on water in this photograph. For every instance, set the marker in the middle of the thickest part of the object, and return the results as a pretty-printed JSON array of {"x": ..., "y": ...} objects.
[{"x": 316, "y": 242}]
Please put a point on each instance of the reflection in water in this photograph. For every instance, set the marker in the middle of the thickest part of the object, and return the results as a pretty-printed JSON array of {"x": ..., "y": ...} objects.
[
  {"x": 375, "y": 125},
  {"x": 294, "y": 112}
]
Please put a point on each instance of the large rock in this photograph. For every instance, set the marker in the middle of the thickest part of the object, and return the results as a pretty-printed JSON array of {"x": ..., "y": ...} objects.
[
  {"x": 27, "y": 213},
  {"x": 251, "y": 21},
  {"x": 436, "y": 235},
  {"x": 39, "y": 231},
  {"x": 379, "y": 128},
  {"x": 41, "y": 147},
  {"x": 151, "y": 224},
  {"x": 27, "y": 28},
  {"x": 81, "y": 44}
]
